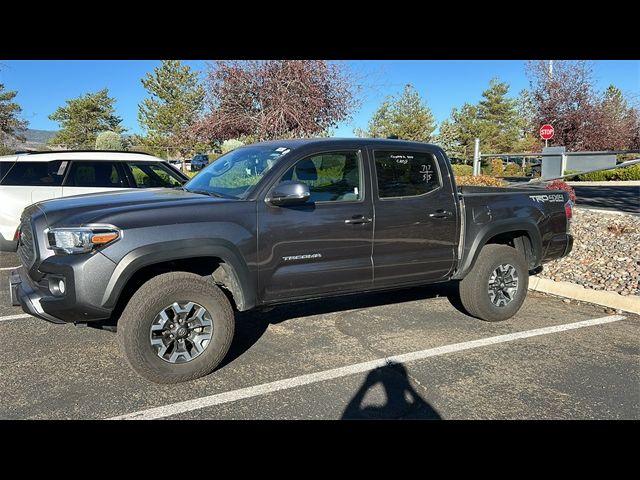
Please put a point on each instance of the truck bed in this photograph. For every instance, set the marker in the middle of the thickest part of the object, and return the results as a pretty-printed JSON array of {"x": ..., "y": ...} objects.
[{"x": 537, "y": 212}]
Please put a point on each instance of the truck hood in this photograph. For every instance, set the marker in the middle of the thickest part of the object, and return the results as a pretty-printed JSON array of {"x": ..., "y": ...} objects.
[{"x": 103, "y": 207}]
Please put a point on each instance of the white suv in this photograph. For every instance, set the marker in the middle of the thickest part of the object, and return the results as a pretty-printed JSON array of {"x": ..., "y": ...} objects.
[{"x": 32, "y": 177}]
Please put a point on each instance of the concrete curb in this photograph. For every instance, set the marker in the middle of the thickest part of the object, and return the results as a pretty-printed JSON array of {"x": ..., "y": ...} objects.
[
  {"x": 612, "y": 183},
  {"x": 609, "y": 212},
  {"x": 629, "y": 303}
]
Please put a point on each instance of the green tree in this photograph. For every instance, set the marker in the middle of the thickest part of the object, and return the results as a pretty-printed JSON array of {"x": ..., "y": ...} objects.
[
  {"x": 448, "y": 139},
  {"x": 500, "y": 124},
  {"x": 175, "y": 103},
  {"x": 458, "y": 133},
  {"x": 11, "y": 125},
  {"x": 83, "y": 118},
  {"x": 497, "y": 120},
  {"x": 407, "y": 116},
  {"x": 529, "y": 141},
  {"x": 108, "y": 141}
]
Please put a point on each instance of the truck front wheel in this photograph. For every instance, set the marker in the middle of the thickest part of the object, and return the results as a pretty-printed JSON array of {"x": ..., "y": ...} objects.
[
  {"x": 496, "y": 286},
  {"x": 177, "y": 327}
]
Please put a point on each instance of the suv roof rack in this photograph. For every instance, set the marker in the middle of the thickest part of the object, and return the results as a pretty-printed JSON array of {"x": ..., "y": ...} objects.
[{"x": 81, "y": 151}]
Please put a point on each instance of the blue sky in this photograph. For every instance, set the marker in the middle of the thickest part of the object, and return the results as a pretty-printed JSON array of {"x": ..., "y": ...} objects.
[{"x": 44, "y": 85}]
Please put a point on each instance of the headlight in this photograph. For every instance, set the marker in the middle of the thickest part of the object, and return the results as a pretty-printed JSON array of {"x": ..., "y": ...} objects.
[{"x": 80, "y": 239}]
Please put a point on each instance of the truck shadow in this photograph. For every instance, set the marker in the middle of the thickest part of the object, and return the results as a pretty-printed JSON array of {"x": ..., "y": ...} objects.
[
  {"x": 401, "y": 401},
  {"x": 250, "y": 326}
]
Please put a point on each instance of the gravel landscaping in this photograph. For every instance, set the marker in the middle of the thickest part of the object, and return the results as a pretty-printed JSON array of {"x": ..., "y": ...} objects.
[{"x": 605, "y": 256}]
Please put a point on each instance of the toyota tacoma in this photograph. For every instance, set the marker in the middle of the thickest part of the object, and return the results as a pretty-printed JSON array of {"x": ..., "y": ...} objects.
[{"x": 277, "y": 222}]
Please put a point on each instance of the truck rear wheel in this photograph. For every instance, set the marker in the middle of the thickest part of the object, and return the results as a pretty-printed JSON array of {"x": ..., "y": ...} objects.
[
  {"x": 496, "y": 286},
  {"x": 177, "y": 327}
]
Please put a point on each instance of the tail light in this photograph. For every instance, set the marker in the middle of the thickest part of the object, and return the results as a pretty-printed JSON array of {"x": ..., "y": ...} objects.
[
  {"x": 16, "y": 236},
  {"x": 568, "y": 211}
]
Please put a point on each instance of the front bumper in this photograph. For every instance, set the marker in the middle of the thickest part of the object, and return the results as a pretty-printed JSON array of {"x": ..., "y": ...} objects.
[
  {"x": 77, "y": 305},
  {"x": 23, "y": 294}
]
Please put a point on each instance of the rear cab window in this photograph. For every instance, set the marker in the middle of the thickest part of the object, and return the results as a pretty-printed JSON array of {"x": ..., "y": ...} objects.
[
  {"x": 33, "y": 174},
  {"x": 406, "y": 173}
]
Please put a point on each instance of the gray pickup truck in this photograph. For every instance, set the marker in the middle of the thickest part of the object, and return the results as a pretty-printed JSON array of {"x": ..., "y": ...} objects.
[{"x": 277, "y": 222}]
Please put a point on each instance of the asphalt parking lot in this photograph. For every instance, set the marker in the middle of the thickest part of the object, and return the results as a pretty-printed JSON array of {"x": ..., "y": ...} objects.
[{"x": 325, "y": 360}]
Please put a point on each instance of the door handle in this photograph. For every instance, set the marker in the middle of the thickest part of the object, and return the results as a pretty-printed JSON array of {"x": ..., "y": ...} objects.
[
  {"x": 441, "y": 214},
  {"x": 357, "y": 220}
]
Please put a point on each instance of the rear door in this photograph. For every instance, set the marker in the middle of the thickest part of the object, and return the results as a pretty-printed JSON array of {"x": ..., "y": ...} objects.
[
  {"x": 24, "y": 183},
  {"x": 415, "y": 217},
  {"x": 323, "y": 246},
  {"x": 94, "y": 177}
]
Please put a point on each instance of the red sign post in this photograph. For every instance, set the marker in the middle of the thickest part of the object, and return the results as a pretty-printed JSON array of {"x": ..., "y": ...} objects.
[{"x": 546, "y": 133}]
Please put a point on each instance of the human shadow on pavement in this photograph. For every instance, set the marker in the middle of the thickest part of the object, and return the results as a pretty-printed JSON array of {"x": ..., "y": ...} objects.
[
  {"x": 401, "y": 399},
  {"x": 251, "y": 325}
]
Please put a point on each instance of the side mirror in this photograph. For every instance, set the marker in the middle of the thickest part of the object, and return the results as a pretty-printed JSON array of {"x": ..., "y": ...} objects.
[{"x": 289, "y": 193}]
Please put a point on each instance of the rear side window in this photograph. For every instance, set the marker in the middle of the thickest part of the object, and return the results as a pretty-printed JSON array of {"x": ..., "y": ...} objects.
[
  {"x": 96, "y": 174},
  {"x": 34, "y": 174},
  {"x": 148, "y": 175},
  {"x": 406, "y": 174}
]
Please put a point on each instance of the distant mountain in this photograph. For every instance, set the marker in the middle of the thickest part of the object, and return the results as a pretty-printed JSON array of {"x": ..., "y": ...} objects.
[{"x": 38, "y": 136}]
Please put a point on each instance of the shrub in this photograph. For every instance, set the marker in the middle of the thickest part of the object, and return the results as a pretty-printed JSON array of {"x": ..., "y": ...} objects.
[
  {"x": 497, "y": 167},
  {"x": 108, "y": 141},
  {"x": 628, "y": 173},
  {"x": 213, "y": 157},
  {"x": 601, "y": 176},
  {"x": 513, "y": 170},
  {"x": 560, "y": 185},
  {"x": 459, "y": 170},
  {"x": 4, "y": 150},
  {"x": 480, "y": 181},
  {"x": 625, "y": 173},
  {"x": 229, "y": 145}
]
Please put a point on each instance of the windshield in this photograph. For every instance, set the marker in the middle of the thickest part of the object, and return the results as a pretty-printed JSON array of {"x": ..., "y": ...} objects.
[{"x": 234, "y": 174}]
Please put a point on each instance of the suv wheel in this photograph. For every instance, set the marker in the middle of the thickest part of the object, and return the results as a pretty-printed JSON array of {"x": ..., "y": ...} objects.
[
  {"x": 177, "y": 327},
  {"x": 495, "y": 288}
]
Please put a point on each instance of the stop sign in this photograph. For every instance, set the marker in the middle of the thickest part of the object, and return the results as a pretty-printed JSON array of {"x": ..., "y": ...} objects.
[{"x": 546, "y": 131}]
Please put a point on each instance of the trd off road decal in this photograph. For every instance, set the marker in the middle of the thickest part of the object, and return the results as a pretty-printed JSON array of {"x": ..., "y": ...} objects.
[{"x": 547, "y": 198}]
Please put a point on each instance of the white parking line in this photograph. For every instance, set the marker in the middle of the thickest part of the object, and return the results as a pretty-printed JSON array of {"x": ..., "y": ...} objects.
[
  {"x": 15, "y": 317},
  {"x": 232, "y": 396},
  {"x": 8, "y": 268}
]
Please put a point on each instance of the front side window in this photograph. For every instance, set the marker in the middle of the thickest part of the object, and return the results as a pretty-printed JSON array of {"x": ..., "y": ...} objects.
[
  {"x": 236, "y": 173},
  {"x": 406, "y": 174},
  {"x": 331, "y": 177},
  {"x": 99, "y": 174},
  {"x": 35, "y": 174},
  {"x": 149, "y": 175}
]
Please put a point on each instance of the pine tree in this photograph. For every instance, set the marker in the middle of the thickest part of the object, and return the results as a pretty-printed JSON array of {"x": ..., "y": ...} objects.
[
  {"x": 83, "y": 118},
  {"x": 175, "y": 103},
  {"x": 408, "y": 117},
  {"x": 500, "y": 124},
  {"x": 10, "y": 122}
]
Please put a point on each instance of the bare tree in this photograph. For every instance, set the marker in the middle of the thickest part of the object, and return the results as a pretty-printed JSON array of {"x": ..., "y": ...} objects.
[
  {"x": 583, "y": 119},
  {"x": 270, "y": 99}
]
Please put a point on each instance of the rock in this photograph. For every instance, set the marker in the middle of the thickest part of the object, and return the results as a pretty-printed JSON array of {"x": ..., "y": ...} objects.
[{"x": 601, "y": 260}]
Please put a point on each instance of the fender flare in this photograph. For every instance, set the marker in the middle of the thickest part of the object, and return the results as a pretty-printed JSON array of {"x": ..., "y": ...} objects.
[
  {"x": 160, "y": 252},
  {"x": 486, "y": 232}
]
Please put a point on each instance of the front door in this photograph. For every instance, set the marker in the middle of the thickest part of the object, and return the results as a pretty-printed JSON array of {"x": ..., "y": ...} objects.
[
  {"x": 416, "y": 221},
  {"x": 323, "y": 246}
]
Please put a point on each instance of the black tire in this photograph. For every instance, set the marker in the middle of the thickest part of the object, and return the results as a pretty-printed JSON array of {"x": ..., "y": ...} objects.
[
  {"x": 135, "y": 324},
  {"x": 474, "y": 293}
]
